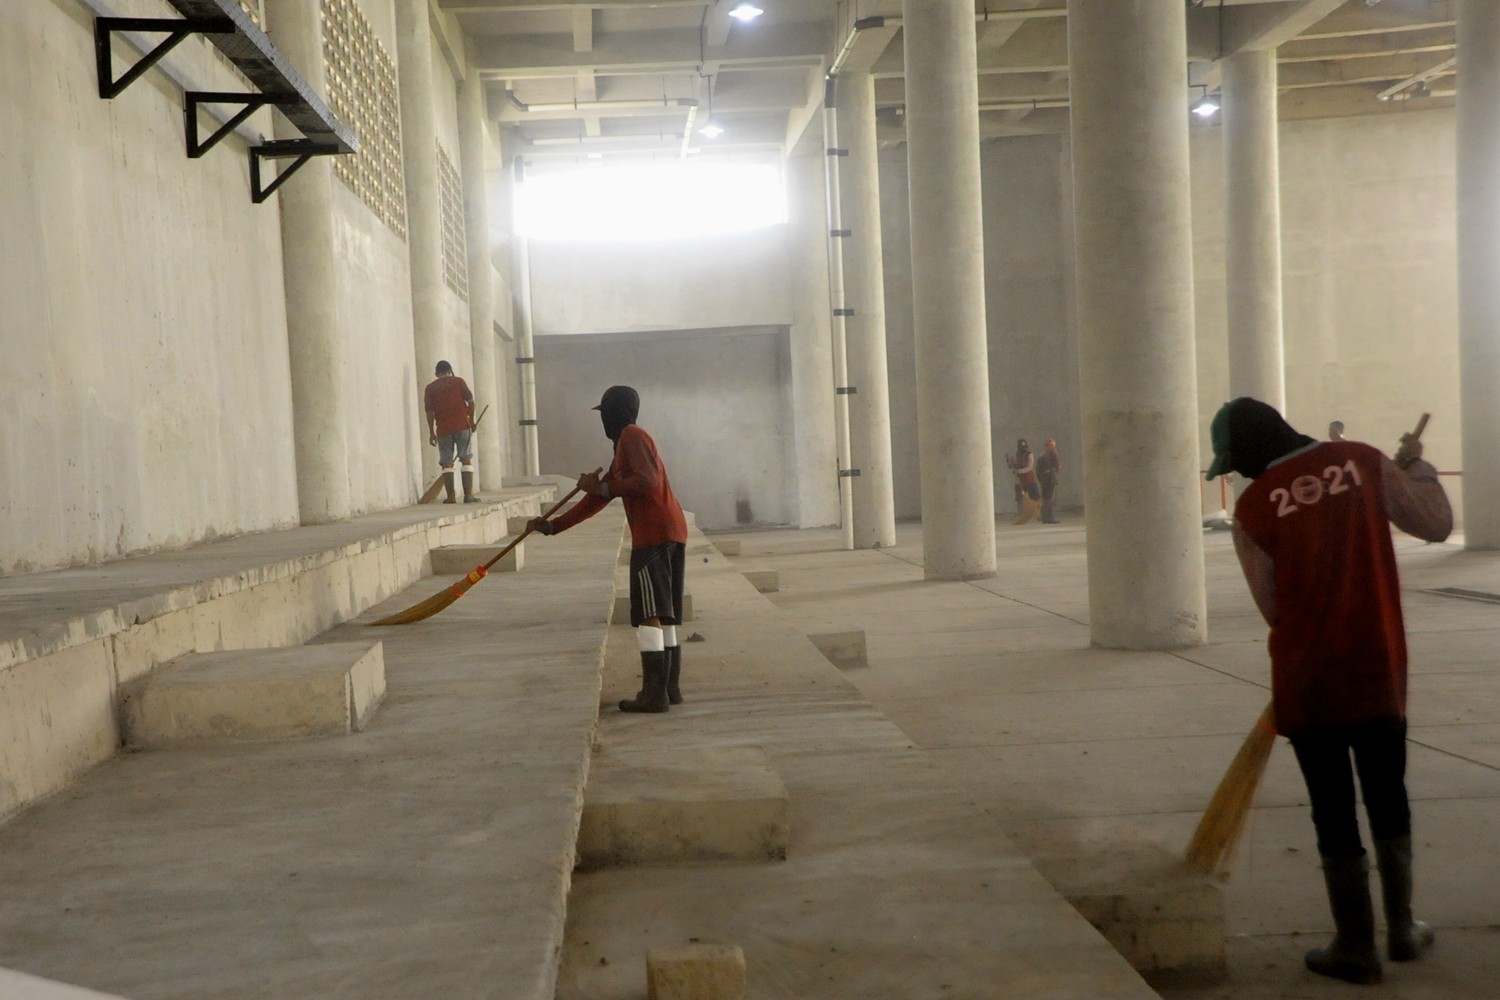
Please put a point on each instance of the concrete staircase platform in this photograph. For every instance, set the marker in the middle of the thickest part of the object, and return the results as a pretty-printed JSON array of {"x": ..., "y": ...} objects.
[
  {"x": 691, "y": 803},
  {"x": 458, "y": 560},
  {"x": 328, "y": 689}
]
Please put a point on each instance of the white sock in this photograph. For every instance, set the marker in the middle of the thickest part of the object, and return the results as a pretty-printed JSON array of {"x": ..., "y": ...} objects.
[
  {"x": 669, "y": 635},
  {"x": 649, "y": 639}
]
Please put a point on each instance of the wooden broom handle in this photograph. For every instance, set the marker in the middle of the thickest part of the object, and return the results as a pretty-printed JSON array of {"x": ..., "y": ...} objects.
[
  {"x": 547, "y": 516},
  {"x": 1421, "y": 426}
]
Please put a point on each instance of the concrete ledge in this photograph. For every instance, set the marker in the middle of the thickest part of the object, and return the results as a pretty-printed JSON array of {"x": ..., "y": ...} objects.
[
  {"x": 328, "y": 689},
  {"x": 1165, "y": 919},
  {"x": 766, "y": 581},
  {"x": 728, "y": 547},
  {"x": 845, "y": 650},
  {"x": 696, "y": 972},
  {"x": 620, "y": 615},
  {"x": 457, "y": 560},
  {"x": 673, "y": 804},
  {"x": 19, "y": 986}
]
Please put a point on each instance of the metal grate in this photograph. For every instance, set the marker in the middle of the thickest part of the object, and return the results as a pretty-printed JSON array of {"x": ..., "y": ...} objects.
[
  {"x": 362, "y": 91},
  {"x": 455, "y": 242}
]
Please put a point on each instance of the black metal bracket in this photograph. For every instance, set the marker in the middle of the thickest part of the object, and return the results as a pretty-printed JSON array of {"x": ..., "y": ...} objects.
[
  {"x": 176, "y": 29},
  {"x": 299, "y": 151},
  {"x": 234, "y": 34},
  {"x": 252, "y": 103}
]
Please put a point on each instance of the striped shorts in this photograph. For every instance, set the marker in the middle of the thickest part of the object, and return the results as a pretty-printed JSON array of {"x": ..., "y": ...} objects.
[{"x": 656, "y": 583}]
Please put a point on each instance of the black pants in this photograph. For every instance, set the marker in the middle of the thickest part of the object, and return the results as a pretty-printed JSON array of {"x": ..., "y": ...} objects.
[
  {"x": 1048, "y": 490},
  {"x": 1379, "y": 750}
]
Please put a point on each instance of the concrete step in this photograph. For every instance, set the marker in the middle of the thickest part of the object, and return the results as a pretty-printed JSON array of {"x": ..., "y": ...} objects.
[
  {"x": 691, "y": 803},
  {"x": 297, "y": 692},
  {"x": 457, "y": 560},
  {"x": 19, "y": 986}
]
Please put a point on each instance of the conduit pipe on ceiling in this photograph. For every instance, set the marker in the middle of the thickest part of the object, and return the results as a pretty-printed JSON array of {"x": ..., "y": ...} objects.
[
  {"x": 836, "y": 235},
  {"x": 642, "y": 104},
  {"x": 1443, "y": 68},
  {"x": 894, "y": 21}
]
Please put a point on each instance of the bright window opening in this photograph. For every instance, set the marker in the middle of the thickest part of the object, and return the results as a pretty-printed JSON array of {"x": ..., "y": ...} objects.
[{"x": 651, "y": 201}]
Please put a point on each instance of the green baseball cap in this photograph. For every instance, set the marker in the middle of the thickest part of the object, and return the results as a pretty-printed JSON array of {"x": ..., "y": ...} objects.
[{"x": 1218, "y": 435}]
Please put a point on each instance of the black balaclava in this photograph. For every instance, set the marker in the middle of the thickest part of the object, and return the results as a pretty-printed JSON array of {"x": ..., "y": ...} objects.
[
  {"x": 618, "y": 409},
  {"x": 1258, "y": 436}
]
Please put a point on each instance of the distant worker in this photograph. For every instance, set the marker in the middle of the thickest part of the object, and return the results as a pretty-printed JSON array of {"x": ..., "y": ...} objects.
[
  {"x": 1023, "y": 466},
  {"x": 450, "y": 426},
  {"x": 1048, "y": 465},
  {"x": 1312, "y": 532},
  {"x": 658, "y": 545},
  {"x": 1336, "y": 431}
]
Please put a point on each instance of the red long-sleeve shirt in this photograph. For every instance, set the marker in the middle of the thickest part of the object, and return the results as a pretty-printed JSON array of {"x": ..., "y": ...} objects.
[{"x": 639, "y": 478}]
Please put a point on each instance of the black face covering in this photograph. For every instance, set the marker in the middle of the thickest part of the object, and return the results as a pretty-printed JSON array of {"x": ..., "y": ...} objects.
[
  {"x": 1258, "y": 436},
  {"x": 618, "y": 409}
]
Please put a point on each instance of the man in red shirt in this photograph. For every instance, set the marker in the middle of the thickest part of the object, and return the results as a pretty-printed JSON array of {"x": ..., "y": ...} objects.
[
  {"x": 658, "y": 544},
  {"x": 450, "y": 426},
  {"x": 1313, "y": 536}
]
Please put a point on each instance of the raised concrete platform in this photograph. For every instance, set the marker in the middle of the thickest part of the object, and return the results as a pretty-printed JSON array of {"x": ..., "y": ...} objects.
[
  {"x": 457, "y": 560},
  {"x": 689, "y": 803},
  {"x": 696, "y": 972},
  {"x": 326, "y": 689},
  {"x": 19, "y": 986},
  {"x": 845, "y": 650},
  {"x": 766, "y": 581}
]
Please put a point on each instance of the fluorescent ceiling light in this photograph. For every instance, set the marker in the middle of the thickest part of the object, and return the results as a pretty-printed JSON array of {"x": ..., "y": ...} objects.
[
  {"x": 711, "y": 129},
  {"x": 746, "y": 11},
  {"x": 1206, "y": 107}
]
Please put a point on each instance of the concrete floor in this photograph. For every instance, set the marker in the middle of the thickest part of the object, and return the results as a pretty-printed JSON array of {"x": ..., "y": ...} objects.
[
  {"x": 932, "y": 790},
  {"x": 1076, "y": 751}
]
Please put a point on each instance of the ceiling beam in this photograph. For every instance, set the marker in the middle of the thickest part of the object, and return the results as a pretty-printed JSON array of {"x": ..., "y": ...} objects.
[
  {"x": 521, "y": 57},
  {"x": 530, "y": 6},
  {"x": 1270, "y": 25}
]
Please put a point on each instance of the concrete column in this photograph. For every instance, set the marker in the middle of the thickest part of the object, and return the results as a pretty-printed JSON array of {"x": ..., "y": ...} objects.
[
  {"x": 1252, "y": 223},
  {"x": 473, "y": 138},
  {"x": 520, "y": 276},
  {"x": 1479, "y": 268},
  {"x": 864, "y": 331},
  {"x": 424, "y": 222},
  {"x": 309, "y": 263},
  {"x": 1135, "y": 321},
  {"x": 812, "y": 348},
  {"x": 947, "y": 249}
]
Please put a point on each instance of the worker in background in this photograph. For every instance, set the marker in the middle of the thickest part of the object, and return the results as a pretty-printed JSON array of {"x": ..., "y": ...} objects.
[
  {"x": 450, "y": 426},
  {"x": 1312, "y": 532},
  {"x": 658, "y": 544},
  {"x": 1048, "y": 465}
]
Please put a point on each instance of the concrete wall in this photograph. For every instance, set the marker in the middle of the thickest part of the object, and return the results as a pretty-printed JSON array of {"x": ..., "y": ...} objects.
[
  {"x": 717, "y": 403},
  {"x": 145, "y": 400}
]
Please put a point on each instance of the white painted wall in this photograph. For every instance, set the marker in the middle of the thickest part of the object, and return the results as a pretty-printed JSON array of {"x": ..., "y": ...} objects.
[{"x": 145, "y": 400}]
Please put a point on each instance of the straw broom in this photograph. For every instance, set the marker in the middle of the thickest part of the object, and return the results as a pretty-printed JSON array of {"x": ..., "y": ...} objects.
[
  {"x": 1223, "y": 823},
  {"x": 437, "y": 484},
  {"x": 437, "y": 602}
]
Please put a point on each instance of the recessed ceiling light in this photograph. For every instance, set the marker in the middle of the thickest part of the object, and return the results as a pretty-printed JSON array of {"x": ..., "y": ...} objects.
[{"x": 746, "y": 11}]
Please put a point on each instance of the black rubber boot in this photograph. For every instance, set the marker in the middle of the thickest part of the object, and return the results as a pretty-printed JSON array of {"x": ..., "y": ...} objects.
[
  {"x": 674, "y": 674},
  {"x": 448, "y": 486},
  {"x": 1351, "y": 955},
  {"x": 1405, "y": 937},
  {"x": 653, "y": 694},
  {"x": 469, "y": 496}
]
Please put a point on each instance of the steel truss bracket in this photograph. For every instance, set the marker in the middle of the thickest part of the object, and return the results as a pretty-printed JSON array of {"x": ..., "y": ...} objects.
[
  {"x": 176, "y": 29},
  {"x": 252, "y": 103},
  {"x": 299, "y": 151}
]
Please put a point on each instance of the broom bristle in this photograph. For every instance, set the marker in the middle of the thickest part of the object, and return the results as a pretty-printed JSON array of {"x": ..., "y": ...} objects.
[
  {"x": 429, "y": 607},
  {"x": 1223, "y": 823}
]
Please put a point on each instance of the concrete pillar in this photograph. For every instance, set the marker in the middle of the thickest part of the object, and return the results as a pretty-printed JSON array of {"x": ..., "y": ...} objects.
[
  {"x": 864, "y": 331},
  {"x": 1252, "y": 223},
  {"x": 947, "y": 250},
  {"x": 1135, "y": 321},
  {"x": 309, "y": 263},
  {"x": 473, "y": 138},
  {"x": 424, "y": 220},
  {"x": 812, "y": 348},
  {"x": 1479, "y": 268},
  {"x": 520, "y": 276}
]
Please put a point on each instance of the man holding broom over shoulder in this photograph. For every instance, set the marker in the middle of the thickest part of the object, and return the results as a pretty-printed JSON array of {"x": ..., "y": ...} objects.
[
  {"x": 1313, "y": 536},
  {"x": 658, "y": 544}
]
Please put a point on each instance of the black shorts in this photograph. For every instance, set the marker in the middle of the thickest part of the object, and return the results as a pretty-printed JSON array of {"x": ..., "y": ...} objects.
[{"x": 656, "y": 583}]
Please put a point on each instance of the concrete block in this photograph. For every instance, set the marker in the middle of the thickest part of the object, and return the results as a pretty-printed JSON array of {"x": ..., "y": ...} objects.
[
  {"x": 1164, "y": 918},
  {"x": 728, "y": 546},
  {"x": 767, "y": 581},
  {"x": 20, "y": 986},
  {"x": 696, "y": 972},
  {"x": 458, "y": 560},
  {"x": 675, "y": 804},
  {"x": 515, "y": 525},
  {"x": 621, "y": 613},
  {"x": 324, "y": 689},
  {"x": 845, "y": 650}
]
